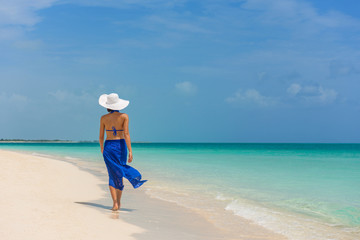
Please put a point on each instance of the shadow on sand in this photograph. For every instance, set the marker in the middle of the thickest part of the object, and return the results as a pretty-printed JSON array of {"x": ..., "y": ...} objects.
[{"x": 104, "y": 207}]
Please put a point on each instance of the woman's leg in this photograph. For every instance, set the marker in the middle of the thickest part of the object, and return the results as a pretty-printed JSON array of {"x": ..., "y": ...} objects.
[
  {"x": 118, "y": 197},
  {"x": 113, "y": 192}
]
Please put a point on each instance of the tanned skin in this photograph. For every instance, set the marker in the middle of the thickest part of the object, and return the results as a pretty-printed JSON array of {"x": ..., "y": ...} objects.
[{"x": 119, "y": 121}]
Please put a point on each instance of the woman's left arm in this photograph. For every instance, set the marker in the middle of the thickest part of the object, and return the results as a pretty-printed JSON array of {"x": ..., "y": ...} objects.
[{"x": 101, "y": 134}]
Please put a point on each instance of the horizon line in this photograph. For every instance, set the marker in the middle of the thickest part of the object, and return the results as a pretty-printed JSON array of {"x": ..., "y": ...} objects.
[{"x": 96, "y": 141}]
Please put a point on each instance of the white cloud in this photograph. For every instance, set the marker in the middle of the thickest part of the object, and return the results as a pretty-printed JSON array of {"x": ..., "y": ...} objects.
[
  {"x": 13, "y": 100},
  {"x": 251, "y": 96},
  {"x": 22, "y": 12},
  {"x": 327, "y": 95},
  {"x": 65, "y": 96},
  {"x": 262, "y": 75},
  {"x": 294, "y": 89},
  {"x": 298, "y": 13},
  {"x": 90, "y": 97},
  {"x": 186, "y": 87},
  {"x": 61, "y": 95},
  {"x": 18, "y": 15},
  {"x": 340, "y": 68},
  {"x": 307, "y": 94},
  {"x": 312, "y": 93}
]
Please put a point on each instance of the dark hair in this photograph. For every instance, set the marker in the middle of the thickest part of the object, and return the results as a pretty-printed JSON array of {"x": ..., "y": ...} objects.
[{"x": 109, "y": 110}]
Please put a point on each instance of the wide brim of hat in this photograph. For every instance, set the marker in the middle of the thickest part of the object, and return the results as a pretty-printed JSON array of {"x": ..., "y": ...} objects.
[{"x": 121, "y": 104}]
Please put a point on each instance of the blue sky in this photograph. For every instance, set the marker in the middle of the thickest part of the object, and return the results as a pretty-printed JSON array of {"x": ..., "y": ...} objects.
[{"x": 194, "y": 71}]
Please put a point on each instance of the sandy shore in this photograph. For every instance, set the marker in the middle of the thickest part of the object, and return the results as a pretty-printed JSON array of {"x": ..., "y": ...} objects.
[
  {"x": 40, "y": 200},
  {"x": 45, "y": 198}
]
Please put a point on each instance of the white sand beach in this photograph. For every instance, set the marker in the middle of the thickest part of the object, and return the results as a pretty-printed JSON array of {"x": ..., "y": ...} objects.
[
  {"x": 45, "y": 198},
  {"x": 39, "y": 201}
]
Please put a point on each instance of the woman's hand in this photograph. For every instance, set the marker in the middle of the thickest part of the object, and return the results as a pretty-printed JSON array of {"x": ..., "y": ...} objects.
[{"x": 130, "y": 157}]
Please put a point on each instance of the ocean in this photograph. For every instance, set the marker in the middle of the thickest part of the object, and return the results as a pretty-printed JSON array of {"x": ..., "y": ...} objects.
[{"x": 303, "y": 191}]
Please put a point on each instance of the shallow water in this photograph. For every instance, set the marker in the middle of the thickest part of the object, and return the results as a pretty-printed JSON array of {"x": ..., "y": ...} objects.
[{"x": 304, "y": 191}]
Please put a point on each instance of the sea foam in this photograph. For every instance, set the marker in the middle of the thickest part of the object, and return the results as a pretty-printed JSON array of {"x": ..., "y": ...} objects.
[{"x": 295, "y": 227}]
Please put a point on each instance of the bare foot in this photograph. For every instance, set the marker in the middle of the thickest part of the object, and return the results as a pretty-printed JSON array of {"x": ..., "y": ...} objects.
[{"x": 115, "y": 207}]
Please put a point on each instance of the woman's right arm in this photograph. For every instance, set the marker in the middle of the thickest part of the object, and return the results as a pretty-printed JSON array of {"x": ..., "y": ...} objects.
[
  {"x": 127, "y": 137},
  {"x": 101, "y": 135}
]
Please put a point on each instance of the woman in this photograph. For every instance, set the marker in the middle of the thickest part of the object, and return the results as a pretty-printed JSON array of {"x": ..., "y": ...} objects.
[{"x": 116, "y": 126}]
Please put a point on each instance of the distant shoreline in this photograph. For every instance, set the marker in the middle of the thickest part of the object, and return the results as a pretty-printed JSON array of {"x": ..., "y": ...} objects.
[
  {"x": 50, "y": 141},
  {"x": 35, "y": 141},
  {"x": 96, "y": 141}
]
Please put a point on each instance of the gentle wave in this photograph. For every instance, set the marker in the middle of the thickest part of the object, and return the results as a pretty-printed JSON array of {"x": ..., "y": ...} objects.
[
  {"x": 295, "y": 227},
  {"x": 222, "y": 197},
  {"x": 71, "y": 158},
  {"x": 41, "y": 155}
]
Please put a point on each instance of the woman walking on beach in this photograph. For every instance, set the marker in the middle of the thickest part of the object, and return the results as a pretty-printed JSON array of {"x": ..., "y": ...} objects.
[{"x": 117, "y": 144}]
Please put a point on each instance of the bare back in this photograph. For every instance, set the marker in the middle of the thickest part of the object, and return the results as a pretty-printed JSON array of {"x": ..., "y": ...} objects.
[{"x": 114, "y": 125}]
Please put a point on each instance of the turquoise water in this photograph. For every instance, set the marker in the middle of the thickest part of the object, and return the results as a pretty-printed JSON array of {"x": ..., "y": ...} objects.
[{"x": 274, "y": 185}]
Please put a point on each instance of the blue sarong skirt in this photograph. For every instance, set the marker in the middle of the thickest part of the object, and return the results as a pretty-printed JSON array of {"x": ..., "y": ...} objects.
[{"x": 115, "y": 157}]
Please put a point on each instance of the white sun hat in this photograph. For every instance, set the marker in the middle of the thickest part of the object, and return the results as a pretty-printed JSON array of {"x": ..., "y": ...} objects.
[{"x": 112, "y": 101}]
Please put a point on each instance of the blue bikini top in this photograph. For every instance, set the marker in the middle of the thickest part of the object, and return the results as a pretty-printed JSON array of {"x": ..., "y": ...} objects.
[{"x": 114, "y": 130}]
